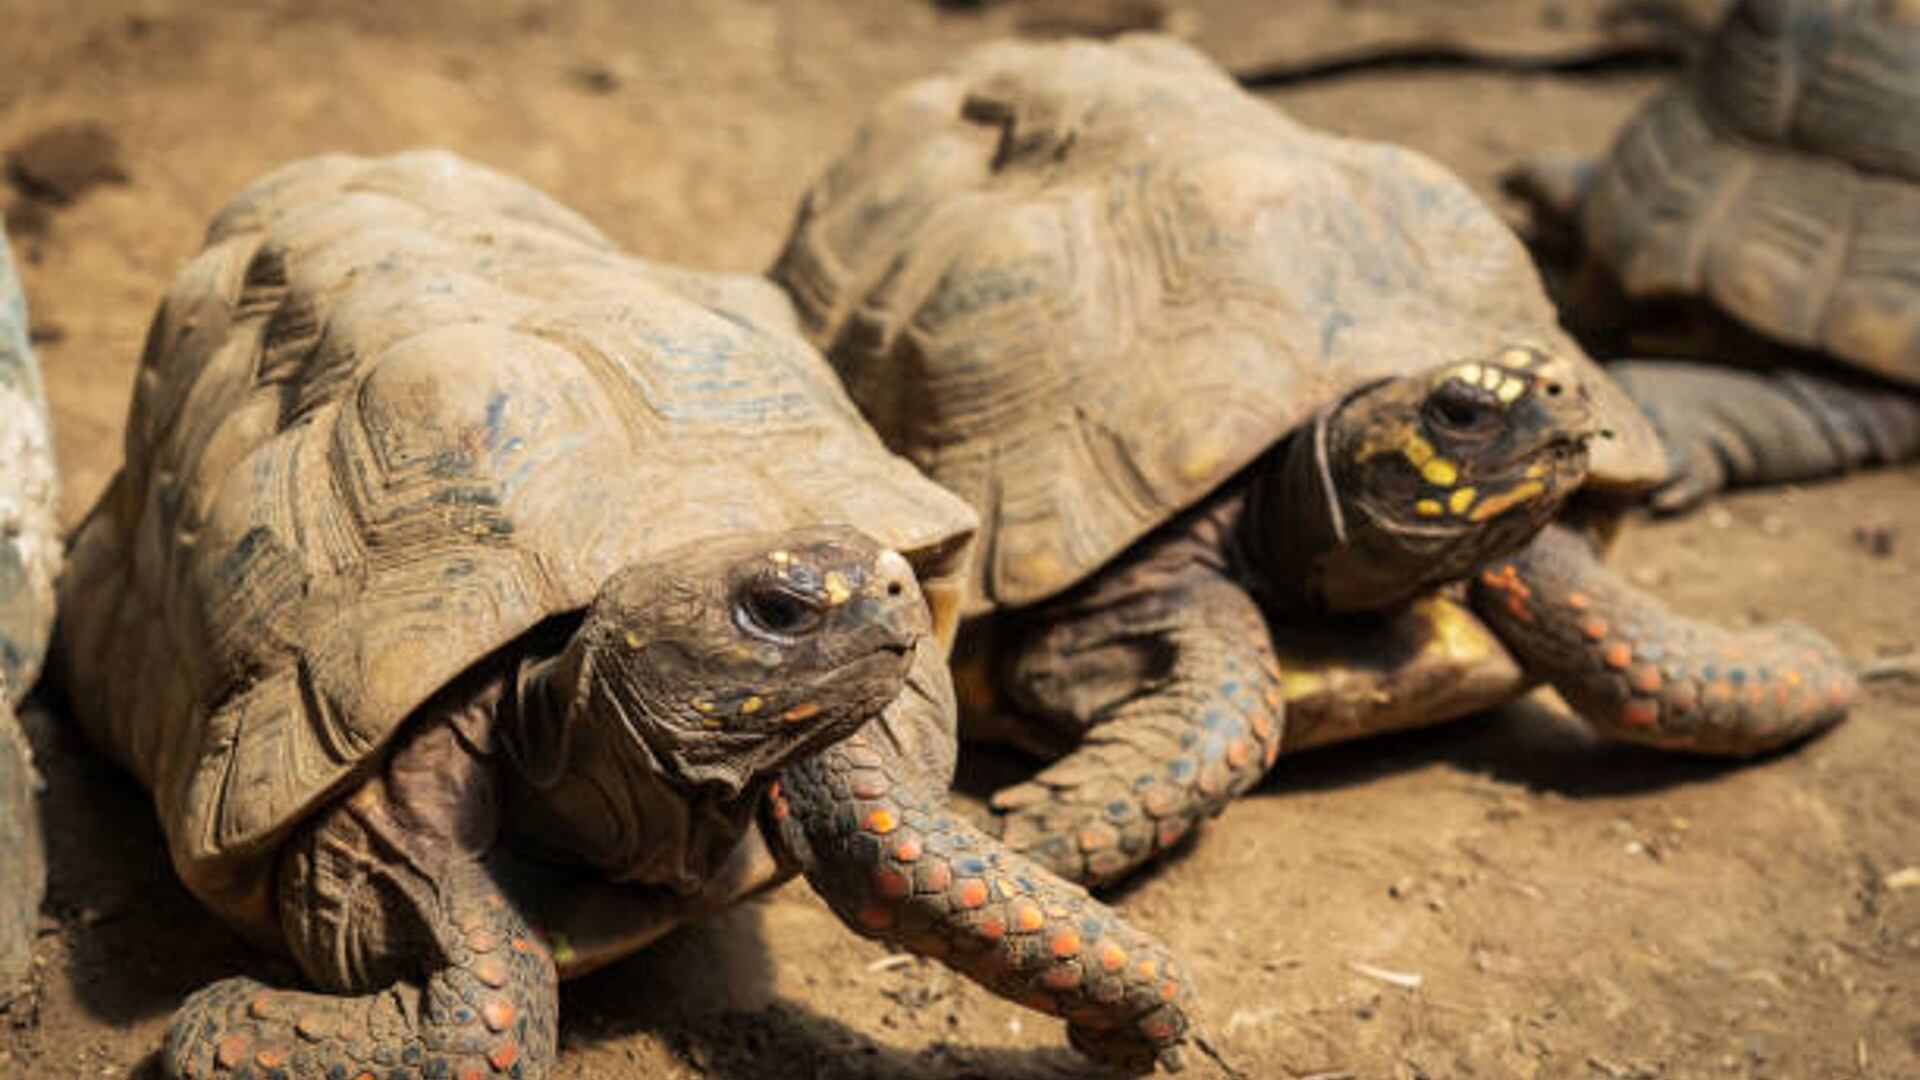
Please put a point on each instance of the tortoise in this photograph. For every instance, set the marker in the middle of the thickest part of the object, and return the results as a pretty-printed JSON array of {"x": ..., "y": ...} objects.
[
  {"x": 1760, "y": 219},
  {"x": 478, "y": 603},
  {"x": 1241, "y": 405},
  {"x": 29, "y": 560}
]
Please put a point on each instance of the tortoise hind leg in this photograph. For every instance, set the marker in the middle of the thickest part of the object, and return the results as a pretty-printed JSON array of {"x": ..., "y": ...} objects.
[
  {"x": 1639, "y": 672},
  {"x": 388, "y": 886},
  {"x": 1169, "y": 668},
  {"x": 1732, "y": 427}
]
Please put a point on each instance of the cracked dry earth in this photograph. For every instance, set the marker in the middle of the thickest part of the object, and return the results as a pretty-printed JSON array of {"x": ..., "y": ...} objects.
[{"x": 1502, "y": 897}]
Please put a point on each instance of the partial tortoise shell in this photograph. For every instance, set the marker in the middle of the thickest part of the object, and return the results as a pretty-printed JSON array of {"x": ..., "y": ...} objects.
[
  {"x": 1781, "y": 181},
  {"x": 396, "y": 413},
  {"x": 1081, "y": 285}
]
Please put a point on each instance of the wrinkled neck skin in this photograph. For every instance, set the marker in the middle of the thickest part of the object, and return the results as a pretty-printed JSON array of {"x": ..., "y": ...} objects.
[
  {"x": 587, "y": 788},
  {"x": 1312, "y": 542}
]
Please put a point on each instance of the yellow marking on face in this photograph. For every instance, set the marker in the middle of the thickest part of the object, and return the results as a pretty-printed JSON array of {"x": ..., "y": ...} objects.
[
  {"x": 1467, "y": 373},
  {"x": 751, "y": 705},
  {"x": 1513, "y": 496},
  {"x": 1300, "y": 685},
  {"x": 1462, "y": 498},
  {"x": 836, "y": 588},
  {"x": 1440, "y": 472},
  {"x": 711, "y": 723},
  {"x": 1417, "y": 450},
  {"x": 781, "y": 558},
  {"x": 633, "y": 640},
  {"x": 1492, "y": 378},
  {"x": 1509, "y": 390},
  {"x": 1427, "y": 508},
  {"x": 1536, "y": 470},
  {"x": 1520, "y": 357},
  {"x": 703, "y": 705}
]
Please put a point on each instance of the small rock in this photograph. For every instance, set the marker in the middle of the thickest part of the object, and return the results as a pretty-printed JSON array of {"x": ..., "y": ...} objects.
[
  {"x": 1877, "y": 540},
  {"x": 1719, "y": 517},
  {"x": 596, "y": 78},
  {"x": 1907, "y": 877},
  {"x": 59, "y": 164}
]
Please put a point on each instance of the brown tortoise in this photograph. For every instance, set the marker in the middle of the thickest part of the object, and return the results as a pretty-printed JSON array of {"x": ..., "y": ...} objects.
[
  {"x": 1236, "y": 402},
  {"x": 471, "y": 604},
  {"x": 29, "y": 561},
  {"x": 1764, "y": 212}
]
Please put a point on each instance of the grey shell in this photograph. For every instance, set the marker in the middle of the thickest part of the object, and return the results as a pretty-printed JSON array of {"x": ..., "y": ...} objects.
[
  {"x": 396, "y": 413},
  {"x": 1781, "y": 181},
  {"x": 1082, "y": 284}
]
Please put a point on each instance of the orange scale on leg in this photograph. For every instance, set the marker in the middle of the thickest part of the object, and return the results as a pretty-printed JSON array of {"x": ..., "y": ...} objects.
[
  {"x": 231, "y": 1050},
  {"x": 1618, "y": 655},
  {"x": 1640, "y": 713},
  {"x": 1594, "y": 629}
]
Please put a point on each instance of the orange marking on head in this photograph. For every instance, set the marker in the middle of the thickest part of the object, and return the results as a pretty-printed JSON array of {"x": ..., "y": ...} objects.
[
  {"x": 1579, "y": 601},
  {"x": 1793, "y": 677},
  {"x": 1618, "y": 655},
  {"x": 1640, "y": 713},
  {"x": 1065, "y": 943},
  {"x": 907, "y": 849},
  {"x": 1112, "y": 957},
  {"x": 1147, "y": 969},
  {"x": 503, "y": 1056},
  {"x": 993, "y": 928},
  {"x": 875, "y": 917},
  {"x": 1645, "y": 678},
  {"x": 1027, "y": 917},
  {"x": 1238, "y": 753},
  {"x": 880, "y": 822},
  {"x": 231, "y": 1050},
  {"x": 971, "y": 893},
  {"x": 1594, "y": 629},
  {"x": 1169, "y": 990}
]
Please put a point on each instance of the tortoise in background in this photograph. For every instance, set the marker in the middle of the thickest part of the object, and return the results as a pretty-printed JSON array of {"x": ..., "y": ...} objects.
[
  {"x": 1763, "y": 214},
  {"x": 472, "y": 603},
  {"x": 1216, "y": 382},
  {"x": 29, "y": 560}
]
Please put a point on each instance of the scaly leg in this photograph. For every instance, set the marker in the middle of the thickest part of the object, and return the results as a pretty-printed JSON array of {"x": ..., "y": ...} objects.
[
  {"x": 868, "y": 824},
  {"x": 1639, "y": 672},
  {"x": 1168, "y": 668},
  {"x": 388, "y": 887},
  {"x": 1733, "y": 427}
]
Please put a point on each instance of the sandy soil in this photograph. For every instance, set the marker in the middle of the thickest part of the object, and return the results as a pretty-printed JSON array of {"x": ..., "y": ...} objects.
[{"x": 1569, "y": 909}]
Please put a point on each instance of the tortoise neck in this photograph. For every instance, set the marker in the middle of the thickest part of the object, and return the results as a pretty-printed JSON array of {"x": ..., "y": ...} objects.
[
  {"x": 1292, "y": 527},
  {"x": 585, "y": 789}
]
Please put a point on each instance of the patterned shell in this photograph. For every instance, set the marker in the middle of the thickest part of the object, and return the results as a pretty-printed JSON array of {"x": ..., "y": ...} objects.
[
  {"x": 396, "y": 413},
  {"x": 30, "y": 545},
  {"x": 1081, "y": 285},
  {"x": 1781, "y": 180}
]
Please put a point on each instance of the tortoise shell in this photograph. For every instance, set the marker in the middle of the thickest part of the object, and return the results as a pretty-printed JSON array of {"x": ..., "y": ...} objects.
[
  {"x": 30, "y": 546},
  {"x": 1781, "y": 181},
  {"x": 395, "y": 414},
  {"x": 1081, "y": 285}
]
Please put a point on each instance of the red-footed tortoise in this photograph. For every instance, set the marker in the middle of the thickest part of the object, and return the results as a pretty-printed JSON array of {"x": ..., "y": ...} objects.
[
  {"x": 1222, "y": 387},
  {"x": 472, "y": 603},
  {"x": 1761, "y": 217},
  {"x": 29, "y": 561}
]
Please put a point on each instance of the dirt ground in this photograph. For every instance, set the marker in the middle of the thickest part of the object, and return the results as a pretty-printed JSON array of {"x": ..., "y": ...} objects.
[{"x": 1501, "y": 897}]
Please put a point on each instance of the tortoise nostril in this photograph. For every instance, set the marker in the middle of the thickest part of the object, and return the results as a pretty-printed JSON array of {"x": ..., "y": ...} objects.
[
  {"x": 894, "y": 588},
  {"x": 1554, "y": 389}
]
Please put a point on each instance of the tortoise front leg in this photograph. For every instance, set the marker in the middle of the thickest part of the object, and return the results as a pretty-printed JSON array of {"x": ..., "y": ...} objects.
[
  {"x": 388, "y": 889},
  {"x": 1637, "y": 671},
  {"x": 1169, "y": 669},
  {"x": 868, "y": 824},
  {"x": 1731, "y": 427}
]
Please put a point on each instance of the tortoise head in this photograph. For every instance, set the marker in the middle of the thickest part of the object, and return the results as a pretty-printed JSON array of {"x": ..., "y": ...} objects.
[
  {"x": 1424, "y": 477},
  {"x": 727, "y": 660}
]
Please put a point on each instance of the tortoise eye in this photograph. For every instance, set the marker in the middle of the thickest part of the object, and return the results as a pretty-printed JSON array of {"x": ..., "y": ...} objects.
[
  {"x": 1460, "y": 410},
  {"x": 773, "y": 608}
]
